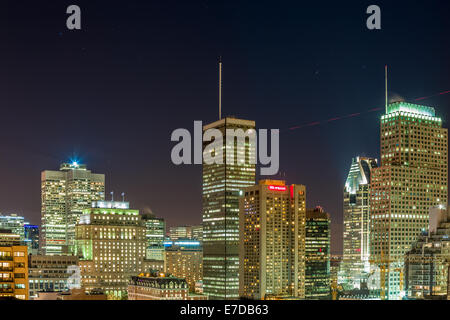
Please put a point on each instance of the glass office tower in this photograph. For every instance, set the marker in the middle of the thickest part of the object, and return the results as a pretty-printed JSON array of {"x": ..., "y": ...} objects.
[{"x": 222, "y": 184}]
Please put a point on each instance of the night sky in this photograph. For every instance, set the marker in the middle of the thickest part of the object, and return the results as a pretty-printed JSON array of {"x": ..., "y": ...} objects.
[{"x": 111, "y": 94}]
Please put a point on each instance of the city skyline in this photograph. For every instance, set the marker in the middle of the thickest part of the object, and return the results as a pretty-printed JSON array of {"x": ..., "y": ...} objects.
[{"x": 128, "y": 127}]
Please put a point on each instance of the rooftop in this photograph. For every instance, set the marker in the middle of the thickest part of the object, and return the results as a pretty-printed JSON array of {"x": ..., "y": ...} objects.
[{"x": 411, "y": 108}]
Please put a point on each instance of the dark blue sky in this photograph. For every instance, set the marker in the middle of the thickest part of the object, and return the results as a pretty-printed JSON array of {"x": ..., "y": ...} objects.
[{"x": 112, "y": 93}]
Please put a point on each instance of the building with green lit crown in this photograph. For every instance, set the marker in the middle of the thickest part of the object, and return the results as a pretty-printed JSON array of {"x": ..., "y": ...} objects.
[
  {"x": 111, "y": 245},
  {"x": 412, "y": 178},
  {"x": 317, "y": 255},
  {"x": 221, "y": 187}
]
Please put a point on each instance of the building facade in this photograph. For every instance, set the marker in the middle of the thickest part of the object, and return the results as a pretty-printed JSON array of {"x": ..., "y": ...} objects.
[
  {"x": 31, "y": 238},
  {"x": 427, "y": 263},
  {"x": 355, "y": 267},
  {"x": 14, "y": 223},
  {"x": 162, "y": 287},
  {"x": 272, "y": 221},
  {"x": 185, "y": 232},
  {"x": 184, "y": 259},
  {"x": 64, "y": 196},
  {"x": 412, "y": 178},
  {"x": 50, "y": 273},
  {"x": 13, "y": 266},
  {"x": 111, "y": 244},
  {"x": 317, "y": 253},
  {"x": 155, "y": 233},
  {"x": 221, "y": 187}
]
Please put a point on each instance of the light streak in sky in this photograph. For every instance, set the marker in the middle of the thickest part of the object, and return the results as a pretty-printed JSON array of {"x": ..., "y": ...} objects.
[{"x": 316, "y": 123}]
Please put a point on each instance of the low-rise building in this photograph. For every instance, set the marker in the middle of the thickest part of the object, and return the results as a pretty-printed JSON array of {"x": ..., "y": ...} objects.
[
  {"x": 160, "y": 287},
  {"x": 50, "y": 273},
  {"x": 74, "y": 294}
]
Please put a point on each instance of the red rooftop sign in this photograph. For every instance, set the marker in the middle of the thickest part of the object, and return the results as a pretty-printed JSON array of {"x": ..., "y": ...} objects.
[{"x": 277, "y": 188}]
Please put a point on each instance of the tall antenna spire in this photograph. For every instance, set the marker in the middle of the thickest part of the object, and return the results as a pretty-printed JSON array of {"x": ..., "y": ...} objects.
[
  {"x": 220, "y": 87},
  {"x": 386, "y": 86}
]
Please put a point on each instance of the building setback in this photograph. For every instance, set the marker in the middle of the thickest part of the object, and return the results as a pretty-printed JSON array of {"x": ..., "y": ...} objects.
[
  {"x": 412, "y": 178},
  {"x": 221, "y": 187},
  {"x": 272, "y": 246},
  {"x": 317, "y": 253},
  {"x": 64, "y": 196}
]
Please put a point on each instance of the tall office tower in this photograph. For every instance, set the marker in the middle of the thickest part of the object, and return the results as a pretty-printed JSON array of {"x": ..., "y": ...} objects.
[
  {"x": 222, "y": 184},
  {"x": 355, "y": 267},
  {"x": 110, "y": 244},
  {"x": 13, "y": 266},
  {"x": 427, "y": 263},
  {"x": 31, "y": 238},
  {"x": 184, "y": 259},
  {"x": 412, "y": 179},
  {"x": 272, "y": 240},
  {"x": 317, "y": 253},
  {"x": 155, "y": 231},
  {"x": 14, "y": 223},
  {"x": 65, "y": 194}
]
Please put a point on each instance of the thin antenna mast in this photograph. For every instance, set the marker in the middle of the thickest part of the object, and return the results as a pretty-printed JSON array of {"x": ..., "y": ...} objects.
[
  {"x": 386, "y": 85},
  {"x": 220, "y": 88}
]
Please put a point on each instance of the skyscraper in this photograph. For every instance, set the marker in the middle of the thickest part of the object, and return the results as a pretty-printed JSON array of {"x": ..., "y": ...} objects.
[
  {"x": 272, "y": 240},
  {"x": 355, "y": 266},
  {"x": 222, "y": 184},
  {"x": 155, "y": 233},
  {"x": 317, "y": 254},
  {"x": 65, "y": 194},
  {"x": 412, "y": 178}
]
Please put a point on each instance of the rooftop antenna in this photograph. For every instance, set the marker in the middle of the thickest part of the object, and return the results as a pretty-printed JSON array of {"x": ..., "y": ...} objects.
[
  {"x": 220, "y": 88},
  {"x": 386, "y": 86},
  {"x": 112, "y": 195},
  {"x": 123, "y": 196}
]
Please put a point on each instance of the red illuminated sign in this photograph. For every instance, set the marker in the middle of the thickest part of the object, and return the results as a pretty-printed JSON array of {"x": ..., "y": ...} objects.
[{"x": 277, "y": 188}]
